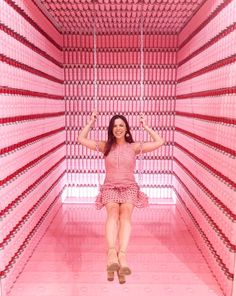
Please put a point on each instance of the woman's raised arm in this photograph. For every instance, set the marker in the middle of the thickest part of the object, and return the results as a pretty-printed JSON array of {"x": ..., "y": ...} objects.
[
  {"x": 83, "y": 136},
  {"x": 149, "y": 146}
]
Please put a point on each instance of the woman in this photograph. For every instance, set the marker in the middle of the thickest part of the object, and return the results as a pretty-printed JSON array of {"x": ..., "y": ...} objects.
[{"x": 120, "y": 193}]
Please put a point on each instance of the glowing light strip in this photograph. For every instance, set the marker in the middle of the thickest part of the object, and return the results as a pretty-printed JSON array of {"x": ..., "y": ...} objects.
[
  {"x": 95, "y": 68},
  {"x": 141, "y": 66},
  {"x": 89, "y": 194},
  {"x": 140, "y": 167},
  {"x": 95, "y": 100}
]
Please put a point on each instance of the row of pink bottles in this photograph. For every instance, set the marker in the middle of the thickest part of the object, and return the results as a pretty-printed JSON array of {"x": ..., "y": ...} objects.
[
  {"x": 205, "y": 150},
  {"x": 32, "y": 149}
]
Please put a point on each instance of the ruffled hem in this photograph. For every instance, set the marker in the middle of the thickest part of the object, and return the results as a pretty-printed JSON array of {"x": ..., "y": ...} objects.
[{"x": 121, "y": 194}]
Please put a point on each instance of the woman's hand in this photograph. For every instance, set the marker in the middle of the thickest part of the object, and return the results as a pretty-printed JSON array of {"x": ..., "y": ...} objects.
[
  {"x": 94, "y": 116},
  {"x": 142, "y": 119}
]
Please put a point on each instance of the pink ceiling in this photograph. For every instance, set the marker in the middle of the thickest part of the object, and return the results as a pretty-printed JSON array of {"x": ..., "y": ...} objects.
[{"x": 120, "y": 16}]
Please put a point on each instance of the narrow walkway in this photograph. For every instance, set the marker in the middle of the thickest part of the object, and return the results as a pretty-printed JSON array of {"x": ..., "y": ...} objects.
[{"x": 70, "y": 260}]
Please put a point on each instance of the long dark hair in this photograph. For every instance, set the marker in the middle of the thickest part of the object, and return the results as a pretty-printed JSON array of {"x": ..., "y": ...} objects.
[{"x": 111, "y": 139}]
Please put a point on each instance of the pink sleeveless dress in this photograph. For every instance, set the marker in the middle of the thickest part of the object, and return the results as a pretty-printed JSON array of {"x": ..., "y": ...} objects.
[{"x": 119, "y": 184}]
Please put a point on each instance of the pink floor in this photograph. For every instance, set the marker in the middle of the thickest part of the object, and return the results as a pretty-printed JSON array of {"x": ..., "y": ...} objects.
[{"x": 70, "y": 259}]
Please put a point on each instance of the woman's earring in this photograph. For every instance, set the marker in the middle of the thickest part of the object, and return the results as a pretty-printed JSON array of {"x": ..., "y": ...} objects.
[{"x": 127, "y": 135}]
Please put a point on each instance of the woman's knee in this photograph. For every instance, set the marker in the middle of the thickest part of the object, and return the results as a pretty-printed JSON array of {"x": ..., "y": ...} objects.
[
  {"x": 112, "y": 211},
  {"x": 126, "y": 212}
]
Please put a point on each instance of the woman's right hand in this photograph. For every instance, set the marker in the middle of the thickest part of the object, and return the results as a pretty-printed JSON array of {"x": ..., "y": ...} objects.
[{"x": 94, "y": 116}]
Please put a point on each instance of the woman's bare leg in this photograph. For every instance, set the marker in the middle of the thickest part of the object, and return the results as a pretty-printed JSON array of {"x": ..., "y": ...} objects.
[
  {"x": 126, "y": 210},
  {"x": 111, "y": 230},
  {"x": 111, "y": 227}
]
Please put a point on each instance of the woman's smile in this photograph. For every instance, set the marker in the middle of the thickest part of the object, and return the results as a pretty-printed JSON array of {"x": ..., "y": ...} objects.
[
  {"x": 118, "y": 133},
  {"x": 119, "y": 128}
]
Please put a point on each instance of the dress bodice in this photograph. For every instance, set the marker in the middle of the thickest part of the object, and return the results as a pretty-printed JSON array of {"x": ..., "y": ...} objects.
[{"x": 120, "y": 165}]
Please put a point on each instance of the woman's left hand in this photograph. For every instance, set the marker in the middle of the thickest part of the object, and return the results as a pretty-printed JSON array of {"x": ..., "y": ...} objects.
[{"x": 142, "y": 119}]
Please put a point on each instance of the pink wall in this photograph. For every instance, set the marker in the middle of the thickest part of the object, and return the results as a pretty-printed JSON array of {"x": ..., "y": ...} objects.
[
  {"x": 118, "y": 78},
  {"x": 204, "y": 152},
  {"x": 197, "y": 160},
  {"x": 32, "y": 147}
]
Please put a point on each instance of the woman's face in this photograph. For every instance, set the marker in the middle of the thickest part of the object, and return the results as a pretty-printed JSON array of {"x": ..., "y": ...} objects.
[{"x": 119, "y": 129}]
